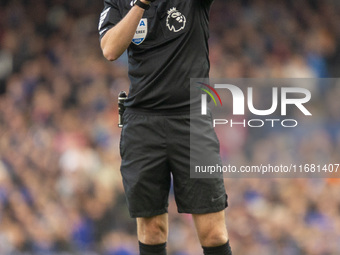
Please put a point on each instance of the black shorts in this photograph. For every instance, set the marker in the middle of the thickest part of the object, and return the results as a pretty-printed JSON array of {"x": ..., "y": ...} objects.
[{"x": 154, "y": 146}]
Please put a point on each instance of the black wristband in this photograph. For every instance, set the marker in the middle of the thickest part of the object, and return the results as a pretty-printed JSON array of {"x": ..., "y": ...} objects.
[{"x": 142, "y": 5}]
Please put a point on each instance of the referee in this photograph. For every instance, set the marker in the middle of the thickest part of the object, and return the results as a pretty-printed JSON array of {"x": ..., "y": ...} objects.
[{"x": 167, "y": 44}]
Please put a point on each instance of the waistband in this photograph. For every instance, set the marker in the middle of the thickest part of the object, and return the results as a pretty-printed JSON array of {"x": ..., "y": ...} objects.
[{"x": 168, "y": 112}]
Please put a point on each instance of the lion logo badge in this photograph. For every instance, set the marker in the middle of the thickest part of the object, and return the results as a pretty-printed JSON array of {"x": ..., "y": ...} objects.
[{"x": 175, "y": 20}]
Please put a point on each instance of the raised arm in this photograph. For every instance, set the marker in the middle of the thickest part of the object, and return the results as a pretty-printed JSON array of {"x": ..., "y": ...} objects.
[{"x": 118, "y": 38}]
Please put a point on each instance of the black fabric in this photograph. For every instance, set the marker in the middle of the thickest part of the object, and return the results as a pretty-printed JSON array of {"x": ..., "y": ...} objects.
[
  {"x": 152, "y": 148},
  {"x": 159, "y": 249},
  {"x": 219, "y": 250},
  {"x": 175, "y": 49}
]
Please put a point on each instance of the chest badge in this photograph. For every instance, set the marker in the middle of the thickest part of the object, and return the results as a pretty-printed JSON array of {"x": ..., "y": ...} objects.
[
  {"x": 175, "y": 20},
  {"x": 141, "y": 32}
]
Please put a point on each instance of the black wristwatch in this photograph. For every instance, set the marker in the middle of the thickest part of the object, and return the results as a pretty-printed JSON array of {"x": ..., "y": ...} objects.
[{"x": 142, "y": 5}]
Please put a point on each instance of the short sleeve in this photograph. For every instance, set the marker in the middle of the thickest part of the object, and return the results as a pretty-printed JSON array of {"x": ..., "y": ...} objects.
[{"x": 109, "y": 17}]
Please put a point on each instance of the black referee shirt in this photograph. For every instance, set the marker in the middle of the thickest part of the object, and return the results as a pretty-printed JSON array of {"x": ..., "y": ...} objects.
[{"x": 170, "y": 47}]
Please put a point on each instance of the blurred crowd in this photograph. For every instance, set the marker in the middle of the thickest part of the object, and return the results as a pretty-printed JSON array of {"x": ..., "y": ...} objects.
[{"x": 60, "y": 184}]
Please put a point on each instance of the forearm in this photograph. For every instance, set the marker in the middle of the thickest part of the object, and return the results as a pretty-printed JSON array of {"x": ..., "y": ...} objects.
[{"x": 118, "y": 38}]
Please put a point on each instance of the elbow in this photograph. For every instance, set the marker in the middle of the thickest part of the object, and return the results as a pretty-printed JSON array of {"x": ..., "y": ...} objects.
[
  {"x": 111, "y": 57},
  {"x": 110, "y": 48},
  {"x": 110, "y": 54}
]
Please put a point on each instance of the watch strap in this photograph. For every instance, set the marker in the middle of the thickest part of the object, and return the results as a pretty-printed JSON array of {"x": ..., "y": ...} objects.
[{"x": 142, "y": 5}]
